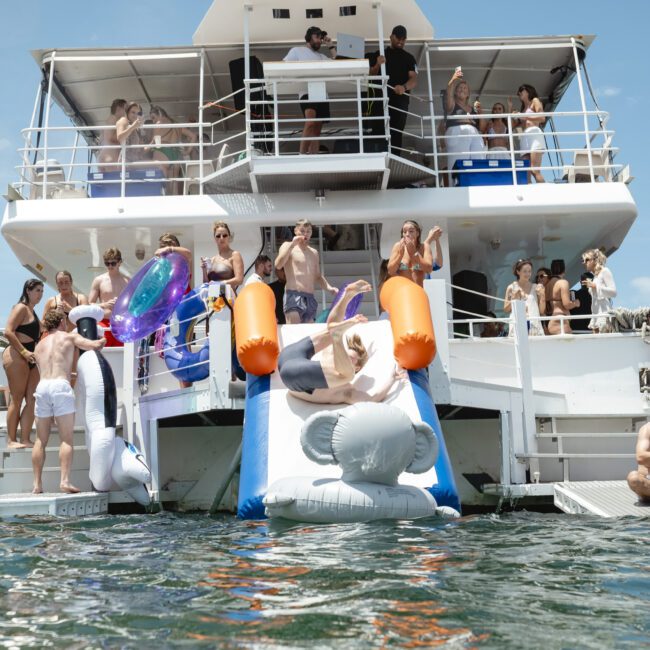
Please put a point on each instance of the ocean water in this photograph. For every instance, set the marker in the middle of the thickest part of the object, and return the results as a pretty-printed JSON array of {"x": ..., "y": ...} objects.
[{"x": 519, "y": 580}]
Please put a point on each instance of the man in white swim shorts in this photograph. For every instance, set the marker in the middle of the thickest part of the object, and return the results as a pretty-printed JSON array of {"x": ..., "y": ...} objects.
[{"x": 55, "y": 356}]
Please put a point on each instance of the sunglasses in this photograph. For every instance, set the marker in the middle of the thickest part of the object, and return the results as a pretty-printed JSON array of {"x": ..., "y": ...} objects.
[
  {"x": 221, "y": 236},
  {"x": 587, "y": 259},
  {"x": 111, "y": 263}
]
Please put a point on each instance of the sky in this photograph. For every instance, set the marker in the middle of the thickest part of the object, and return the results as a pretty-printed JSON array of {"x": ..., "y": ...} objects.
[{"x": 618, "y": 64}]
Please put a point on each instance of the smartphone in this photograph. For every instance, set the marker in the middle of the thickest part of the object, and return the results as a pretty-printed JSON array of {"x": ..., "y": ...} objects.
[
  {"x": 459, "y": 69},
  {"x": 572, "y": 295}
]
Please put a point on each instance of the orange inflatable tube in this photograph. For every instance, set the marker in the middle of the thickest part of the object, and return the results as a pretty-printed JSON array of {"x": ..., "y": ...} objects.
[
  {"x": 410, "y": 319},
  {"x": 256, "y": 330}
]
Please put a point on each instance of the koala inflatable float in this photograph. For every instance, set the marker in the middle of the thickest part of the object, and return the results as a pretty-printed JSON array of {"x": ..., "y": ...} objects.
[{"x": 373, "y": 443}]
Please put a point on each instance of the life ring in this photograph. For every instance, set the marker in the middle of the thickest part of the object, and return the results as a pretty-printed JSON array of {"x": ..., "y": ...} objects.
[
  {"x": 150, "y": 297},
  {"x": 178, "y": 356}
]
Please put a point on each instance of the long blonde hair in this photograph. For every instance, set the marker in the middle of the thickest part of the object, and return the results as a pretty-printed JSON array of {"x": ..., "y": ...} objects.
[
  {"x": 598, "y": 257},
  {"x": 356, "y": 345}
]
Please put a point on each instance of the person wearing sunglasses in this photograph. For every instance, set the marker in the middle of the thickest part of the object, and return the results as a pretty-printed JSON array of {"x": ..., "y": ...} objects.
[
  {"x": 227, "y": 266},
  {"x": 106, "y": 288},
  {"x": 602, "y": 289}
]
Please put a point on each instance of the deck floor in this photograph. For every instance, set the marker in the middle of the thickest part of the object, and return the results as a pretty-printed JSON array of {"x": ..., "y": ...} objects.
[
  {"x": 601, "y": 498},
  {"x": 53, "y": 503}
]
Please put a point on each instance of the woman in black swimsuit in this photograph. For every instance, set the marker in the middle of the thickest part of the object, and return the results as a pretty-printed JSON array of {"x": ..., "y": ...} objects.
[
  {"x": 22, "y": 330},
  {"x": 66, "y": 299}
]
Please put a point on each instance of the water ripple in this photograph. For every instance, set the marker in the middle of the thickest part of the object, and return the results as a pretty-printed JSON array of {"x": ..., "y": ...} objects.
[{"x": 513, "y": 581}]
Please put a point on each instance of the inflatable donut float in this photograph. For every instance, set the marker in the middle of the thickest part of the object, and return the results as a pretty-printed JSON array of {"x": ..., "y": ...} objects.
[{"x": 150, "y": 297}]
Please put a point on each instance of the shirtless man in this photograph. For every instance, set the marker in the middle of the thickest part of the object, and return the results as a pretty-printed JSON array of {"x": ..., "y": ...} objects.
[
  {"x": 108, "y": 155},
  {"x": 639, "y": 479},
  {"x": 55, "y": 356},
  {"x": 302, "y": 268},
  {"x": 106, "y": 288},
  {"x": 329, "y": 381}
]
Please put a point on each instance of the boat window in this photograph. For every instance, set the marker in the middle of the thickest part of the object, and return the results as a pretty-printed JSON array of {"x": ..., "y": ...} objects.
[
  {"x": 348, "y": 10},
  {"x": 314, "y": 13},
  {"x": 281, "y": 13}
]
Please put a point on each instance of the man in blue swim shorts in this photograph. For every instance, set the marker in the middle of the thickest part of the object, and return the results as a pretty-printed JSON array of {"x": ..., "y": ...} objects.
[{"x": 302, "y": 269}]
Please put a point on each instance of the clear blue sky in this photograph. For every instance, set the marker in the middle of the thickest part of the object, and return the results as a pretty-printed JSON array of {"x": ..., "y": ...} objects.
[{"x": 618, "y": 64}]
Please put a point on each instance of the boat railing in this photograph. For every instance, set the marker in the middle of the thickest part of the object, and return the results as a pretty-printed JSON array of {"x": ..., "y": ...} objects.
[
  {"x": 577, "y": 147},
  {"x": 350, "y": 129},
  {"x": 73, "y": 161}
]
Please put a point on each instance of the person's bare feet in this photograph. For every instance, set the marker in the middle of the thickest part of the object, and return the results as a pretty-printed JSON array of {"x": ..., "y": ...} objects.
[
  {"x": 14, "y": 444},
  {"x": 38, "y": 489},
  {"x": 69, "y": 488},
  {"x": 358, "y": 286},
  {"x": 27, "y": 443}
]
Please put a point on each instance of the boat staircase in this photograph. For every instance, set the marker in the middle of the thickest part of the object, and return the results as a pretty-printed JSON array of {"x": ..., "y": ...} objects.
[{"x": 16, "y": 479}]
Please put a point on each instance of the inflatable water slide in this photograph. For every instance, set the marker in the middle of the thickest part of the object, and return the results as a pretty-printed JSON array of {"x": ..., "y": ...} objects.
[{"x": 272, "y": 448}]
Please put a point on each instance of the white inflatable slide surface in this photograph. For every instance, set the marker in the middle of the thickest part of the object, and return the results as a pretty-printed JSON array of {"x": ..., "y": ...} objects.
[{"x": 273, "y": 421}]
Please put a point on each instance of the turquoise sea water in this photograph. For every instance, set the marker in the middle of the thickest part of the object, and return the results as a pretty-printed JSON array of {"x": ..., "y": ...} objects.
[{"x": 512, "y": 581}]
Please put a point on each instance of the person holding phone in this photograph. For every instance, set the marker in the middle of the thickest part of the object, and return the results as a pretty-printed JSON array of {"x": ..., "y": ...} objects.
[{"x": 463, "y": 137}]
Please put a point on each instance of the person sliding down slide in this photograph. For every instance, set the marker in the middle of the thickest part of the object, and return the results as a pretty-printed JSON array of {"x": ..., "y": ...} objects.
[{"x": 329, "y": 381}]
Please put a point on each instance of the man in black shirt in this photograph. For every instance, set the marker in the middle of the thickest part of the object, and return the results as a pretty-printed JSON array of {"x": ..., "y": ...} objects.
[
  {"x": 583, "y": 295},
  {"x": 402, "y": 77}
]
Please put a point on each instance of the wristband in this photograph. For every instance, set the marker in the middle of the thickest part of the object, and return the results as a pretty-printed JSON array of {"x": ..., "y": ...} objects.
[{"x": 24, "y": 353}]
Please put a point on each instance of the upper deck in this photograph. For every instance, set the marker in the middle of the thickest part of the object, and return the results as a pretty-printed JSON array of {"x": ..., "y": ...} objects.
[{"x": 236, "y": 152}]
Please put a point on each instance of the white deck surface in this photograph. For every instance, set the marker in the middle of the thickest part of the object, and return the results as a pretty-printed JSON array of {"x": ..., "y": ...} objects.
[
  {"x": 601, "y": 498},
  {"x": 54, "y": 503}
]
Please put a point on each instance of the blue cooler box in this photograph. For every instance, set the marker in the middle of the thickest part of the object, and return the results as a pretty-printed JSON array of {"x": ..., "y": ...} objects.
[
  {"x": 148, "y": 182},
  {"x": 500, "y": 172}
]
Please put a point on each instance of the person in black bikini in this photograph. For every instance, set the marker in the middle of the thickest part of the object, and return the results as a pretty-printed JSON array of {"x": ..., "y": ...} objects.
[
  {"x": 23, "y": 329},
  {"x": 227, "y": 266},
  {"x": 66, "y": 299}
]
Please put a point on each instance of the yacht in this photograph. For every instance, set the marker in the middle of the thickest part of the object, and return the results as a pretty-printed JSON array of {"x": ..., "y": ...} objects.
[{"x": 526, "y": 420}]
